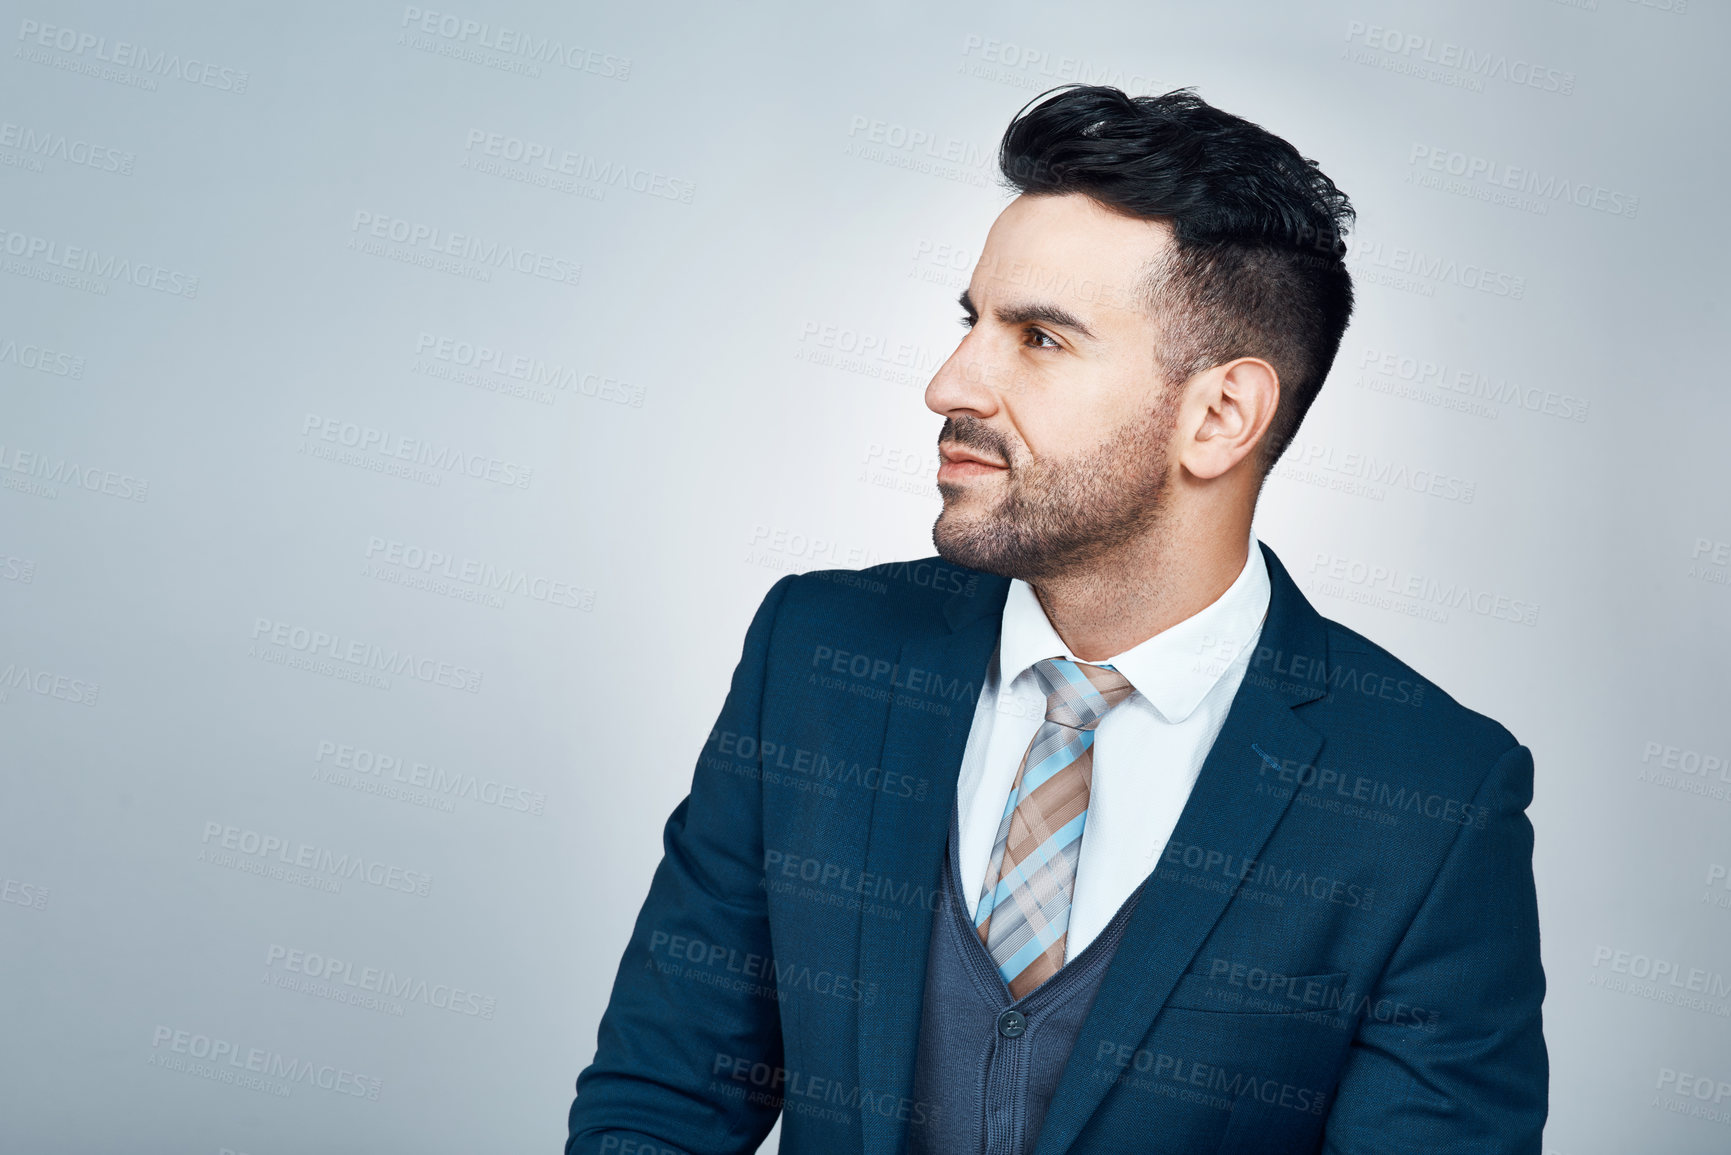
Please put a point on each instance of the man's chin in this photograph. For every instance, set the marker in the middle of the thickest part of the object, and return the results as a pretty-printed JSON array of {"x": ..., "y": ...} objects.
[{"x": 970, "y": 547}]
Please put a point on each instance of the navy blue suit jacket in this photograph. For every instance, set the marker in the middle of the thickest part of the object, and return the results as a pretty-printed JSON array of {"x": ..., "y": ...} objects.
[{"x": 1338, "y": 951}]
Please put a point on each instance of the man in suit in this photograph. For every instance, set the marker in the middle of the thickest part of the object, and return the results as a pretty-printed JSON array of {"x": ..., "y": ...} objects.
[{"x": 1090, "y": 834}]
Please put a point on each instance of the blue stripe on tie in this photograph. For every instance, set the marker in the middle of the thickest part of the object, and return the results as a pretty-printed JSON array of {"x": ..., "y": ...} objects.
[
  {"x": 1044, "y": 852},
  {"x": 1032, "y": 780},
  {"x": 1034, "y": 948},
  {"x": 988, "y": 902},
  {"x": 1074, "y": 675},
  {"x": 1035, "y": 776}
]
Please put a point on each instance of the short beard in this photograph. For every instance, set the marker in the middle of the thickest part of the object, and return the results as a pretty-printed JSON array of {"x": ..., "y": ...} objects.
[{"x": 1059, "y": 516}]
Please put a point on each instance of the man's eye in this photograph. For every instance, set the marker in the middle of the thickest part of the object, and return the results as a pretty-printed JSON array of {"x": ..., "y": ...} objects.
[
  {"x": 1037, "y": 335},
  {"x": 967, "y": 322}
]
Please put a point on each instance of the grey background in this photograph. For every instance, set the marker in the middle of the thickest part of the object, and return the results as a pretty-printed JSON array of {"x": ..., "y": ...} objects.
[{"x": 741, "y": 397}]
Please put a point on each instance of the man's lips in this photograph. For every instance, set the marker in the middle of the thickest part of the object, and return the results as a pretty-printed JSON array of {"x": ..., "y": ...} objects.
[{"x": 960, "y": 463}]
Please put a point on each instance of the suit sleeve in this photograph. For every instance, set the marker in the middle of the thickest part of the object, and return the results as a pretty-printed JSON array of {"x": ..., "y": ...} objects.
[
  {"x": 659, "y": 1081},
  {"x": 1473, "y": 1076}
]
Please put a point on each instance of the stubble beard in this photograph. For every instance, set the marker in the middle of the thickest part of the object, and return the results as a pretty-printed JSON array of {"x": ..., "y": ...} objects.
[{"x": 1058, "y": 516}]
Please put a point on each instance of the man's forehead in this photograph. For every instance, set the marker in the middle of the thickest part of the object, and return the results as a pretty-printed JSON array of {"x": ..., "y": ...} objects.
[
  {"x": 1073, "y": 220},
  {"x": 1071, "y": 249}
]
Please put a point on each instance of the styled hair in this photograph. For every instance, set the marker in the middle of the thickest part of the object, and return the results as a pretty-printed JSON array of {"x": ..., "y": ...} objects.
[{"x": 1257, "y": 268}]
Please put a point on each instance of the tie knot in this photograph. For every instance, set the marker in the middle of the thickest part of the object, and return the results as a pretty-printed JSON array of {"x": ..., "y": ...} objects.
[{"x": 1079, "y": 694}]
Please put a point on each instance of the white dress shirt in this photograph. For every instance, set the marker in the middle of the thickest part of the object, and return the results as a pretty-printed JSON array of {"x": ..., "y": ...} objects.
[{"x": 1147, "y": 751}]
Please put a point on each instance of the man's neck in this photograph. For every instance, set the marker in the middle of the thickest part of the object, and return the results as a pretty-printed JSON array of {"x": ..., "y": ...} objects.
[{"x": 1126, "y": 598}]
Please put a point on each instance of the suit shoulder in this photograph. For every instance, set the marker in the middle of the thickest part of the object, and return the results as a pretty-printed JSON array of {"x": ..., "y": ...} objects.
[
  {"x": 1407, "y": 705},
  {"x": 894, "y": 595}
]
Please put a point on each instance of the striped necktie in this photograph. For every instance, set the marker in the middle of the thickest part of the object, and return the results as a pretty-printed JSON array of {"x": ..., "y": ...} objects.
[{"x": 1024, "y": 911}]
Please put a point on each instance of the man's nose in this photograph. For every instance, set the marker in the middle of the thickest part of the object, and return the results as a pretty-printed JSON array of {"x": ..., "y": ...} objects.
[{"x": 969, "y": 382}]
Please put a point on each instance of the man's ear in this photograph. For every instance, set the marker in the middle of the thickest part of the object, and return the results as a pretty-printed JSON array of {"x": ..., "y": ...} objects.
[{"x": 1225, "y": 414}]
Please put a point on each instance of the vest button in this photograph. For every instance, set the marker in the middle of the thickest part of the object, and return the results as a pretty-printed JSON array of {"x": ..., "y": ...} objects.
[{"x": 1012, "y": 1025}]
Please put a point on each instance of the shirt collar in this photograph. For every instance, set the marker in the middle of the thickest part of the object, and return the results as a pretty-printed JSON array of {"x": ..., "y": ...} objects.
[{"x": 1176, "y": 668}]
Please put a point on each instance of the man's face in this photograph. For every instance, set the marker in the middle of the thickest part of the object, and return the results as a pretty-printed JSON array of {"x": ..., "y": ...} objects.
[{"x": 1056, "y": 386}]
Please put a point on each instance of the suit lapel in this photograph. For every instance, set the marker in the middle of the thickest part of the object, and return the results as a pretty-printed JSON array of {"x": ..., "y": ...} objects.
[
  {"x": 905, "y": 847},
  {"x": 1224, "y": 814}
]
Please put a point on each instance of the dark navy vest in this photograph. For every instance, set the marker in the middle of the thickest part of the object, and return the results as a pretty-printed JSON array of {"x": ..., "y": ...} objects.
[{"x": 988, "y": 1064}]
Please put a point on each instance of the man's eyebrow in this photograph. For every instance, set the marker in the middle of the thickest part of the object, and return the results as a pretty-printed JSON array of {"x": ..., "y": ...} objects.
[{"x": 1020, "y": 314}]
